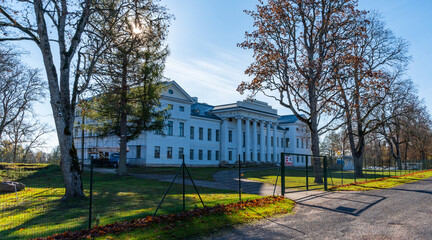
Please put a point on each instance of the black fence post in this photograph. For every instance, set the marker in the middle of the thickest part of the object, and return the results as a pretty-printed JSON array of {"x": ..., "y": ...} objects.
[
  {"x": 307, "y": 172},
  {"x": 282, "y": 166},
  {"x": 325, "y": 173},
  {"x": 374, "y": 168},
  {"x": 365, "y": 168},
  {"x": 91, "y": 192},
  {"x": 240, "y": 190},
  {"x": 183, "y": 175},
  {"x": 342, "y": 166}
]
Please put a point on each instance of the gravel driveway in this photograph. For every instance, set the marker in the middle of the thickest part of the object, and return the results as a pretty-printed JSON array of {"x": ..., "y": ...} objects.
[{"x": 403, "y": 212}]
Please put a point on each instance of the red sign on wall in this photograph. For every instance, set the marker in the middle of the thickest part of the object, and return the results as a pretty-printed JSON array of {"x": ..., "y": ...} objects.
[{"x": 288, "y": 161}]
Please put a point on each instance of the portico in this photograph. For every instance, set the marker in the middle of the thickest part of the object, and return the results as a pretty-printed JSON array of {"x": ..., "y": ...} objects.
[{"x": 243, "y": 118}]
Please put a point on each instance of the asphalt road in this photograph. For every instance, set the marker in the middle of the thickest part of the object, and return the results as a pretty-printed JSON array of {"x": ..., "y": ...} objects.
[{"x": 403, "y": 212}]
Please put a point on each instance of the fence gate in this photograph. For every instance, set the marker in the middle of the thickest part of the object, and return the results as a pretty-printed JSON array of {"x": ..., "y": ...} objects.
[{"x": 297, "y": 172}]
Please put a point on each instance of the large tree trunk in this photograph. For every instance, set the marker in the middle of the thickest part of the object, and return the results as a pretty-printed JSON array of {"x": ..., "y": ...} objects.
[
  {"x": 70, "y": 168},
  {"x": 358, "y": 159},
  {"x": 316, "y": 159},
  {"x": 315, "y": 149}
]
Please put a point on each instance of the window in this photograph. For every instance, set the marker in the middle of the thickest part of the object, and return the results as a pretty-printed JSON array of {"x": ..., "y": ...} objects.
[
  {"x": 277, "y": 142},
  {"x": 230, "y": 155},
  {"x": 191, "y": 154},
  {"x": 209, "y": 136},
  {"x": 201, "y": 134},
  {"x": 181, "y": 152},
  {"x": 138, "y": 151},
  {"x": 170, "y": 91},
  {"x": 230, "y": 136},
  {"x": 298, "y": 143},
  {"x": 170, "y": 106},
  {"x": 287, "y": 142},
  {"x": 259, "y": 156},
  {"x": 244, "y": 139},
  {"x": 200, "y": 154},
  {"x": 272, "y": 157},
  {"x": 170, "y": 128},
  {"x": 181, "y": 109},
  {"x": 266, "y": 141},
  {"x": 307, "y": 143},
  {"x": 169, "y": 152},
  {"x": 271, "y": 141},
  {"x": 208, "y": 154},
  {"x": 259, "y": 139},
  {"x": 192, "y": 132},
  {"x": 217, "y": 155},
  {"x": 217, "y": 135},
  {"x": 181, "y": 129},
  {"x": 297, "y": 158},
  {"x": 281, "y": 142},
  {"x": 302, "y": 145},
  {"x": 157, "y": 152}
]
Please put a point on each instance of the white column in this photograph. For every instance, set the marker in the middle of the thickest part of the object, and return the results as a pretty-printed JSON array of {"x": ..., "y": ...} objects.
[
  {"x": 224, "y": 140},
  {"x": 239, "y": 138},
  {"x": 275, "y": 142},
  {"x": 262, "y": 141},
  {"x": 268, "y": 142},
  {"x": 247, "y": 139},
  {"x": 254, "y": 140}
]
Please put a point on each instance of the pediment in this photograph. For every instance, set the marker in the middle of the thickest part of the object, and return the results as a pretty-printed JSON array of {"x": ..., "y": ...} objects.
[{"x": 175, "y": 92}]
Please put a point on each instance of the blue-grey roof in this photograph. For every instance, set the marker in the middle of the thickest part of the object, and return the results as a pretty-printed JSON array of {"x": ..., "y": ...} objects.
[
  {"x": 203, "y": 110},
  {"x": 288, "y": 119}
]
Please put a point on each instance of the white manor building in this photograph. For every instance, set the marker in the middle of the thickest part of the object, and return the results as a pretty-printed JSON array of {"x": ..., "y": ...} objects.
[{"x": 207, "y": 135}]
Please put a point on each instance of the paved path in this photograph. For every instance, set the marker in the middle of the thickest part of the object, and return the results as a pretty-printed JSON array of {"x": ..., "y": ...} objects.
[{"x": 403, "y": 212}]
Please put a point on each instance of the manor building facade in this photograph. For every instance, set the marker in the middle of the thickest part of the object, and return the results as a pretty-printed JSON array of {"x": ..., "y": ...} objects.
[{"x": 206, "y": 135}]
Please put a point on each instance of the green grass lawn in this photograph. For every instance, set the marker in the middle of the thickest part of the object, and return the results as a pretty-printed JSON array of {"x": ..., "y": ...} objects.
[
  {"x": 296, "y": 179},
  {"x": 385, "y": 183},
  {"x": 38, "y": 211},
  {"x": 202, "y": 173}
]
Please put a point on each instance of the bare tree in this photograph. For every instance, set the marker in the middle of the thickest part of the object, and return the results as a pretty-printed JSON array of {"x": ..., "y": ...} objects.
[
  {"x": 20, "y": 87},
  {"x": 376, "y": 59},
  {"x": 296, "y": 44},
  {"x": 52, "y": 23},
  {"x": 26, "y": 135},
  {"x": 394, "y": 110}
]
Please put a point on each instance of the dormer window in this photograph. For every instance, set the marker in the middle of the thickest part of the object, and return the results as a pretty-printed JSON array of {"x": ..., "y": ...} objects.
[
  {"x": 196, "y": 110},
  {"x": 170, "y": 91}
]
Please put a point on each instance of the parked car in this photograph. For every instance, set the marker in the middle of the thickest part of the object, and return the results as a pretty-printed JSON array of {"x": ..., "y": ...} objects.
[{"x": 114, "y": 159}]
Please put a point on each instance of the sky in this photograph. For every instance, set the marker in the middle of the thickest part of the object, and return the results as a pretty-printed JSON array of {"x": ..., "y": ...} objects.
[{"x": 207, "y": 63}]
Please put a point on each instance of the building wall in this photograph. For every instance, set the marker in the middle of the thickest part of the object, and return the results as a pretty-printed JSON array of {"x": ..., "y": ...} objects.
[{"x": 142, "y": 150}]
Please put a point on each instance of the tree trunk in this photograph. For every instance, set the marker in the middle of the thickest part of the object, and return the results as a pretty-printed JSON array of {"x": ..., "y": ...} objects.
[
  {"x": 316, "y": 159},
  {"x": 70, "y": 168},
  {"x": 122, "y": 165}
]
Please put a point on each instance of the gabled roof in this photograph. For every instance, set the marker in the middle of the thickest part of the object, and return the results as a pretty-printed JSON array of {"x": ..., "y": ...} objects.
[{"x": 203, "y": 110}]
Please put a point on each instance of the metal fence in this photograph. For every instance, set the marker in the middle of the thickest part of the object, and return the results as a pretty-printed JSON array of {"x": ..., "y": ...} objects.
[{"x": 38, "y": 210}]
